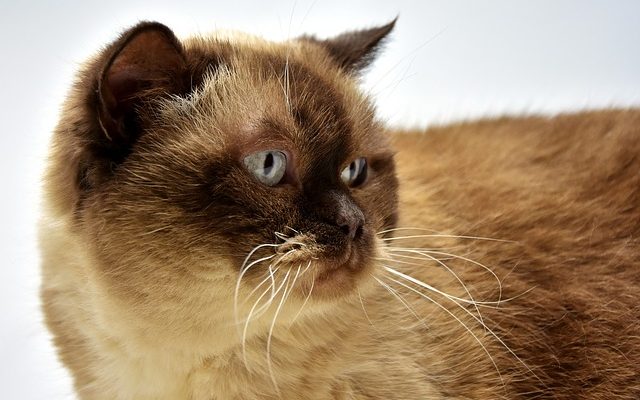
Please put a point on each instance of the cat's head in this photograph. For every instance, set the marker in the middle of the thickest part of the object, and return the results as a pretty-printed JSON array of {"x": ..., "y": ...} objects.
[{"x": 220, "y": 166}]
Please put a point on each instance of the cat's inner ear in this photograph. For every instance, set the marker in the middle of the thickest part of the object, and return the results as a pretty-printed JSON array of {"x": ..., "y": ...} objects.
[
  {"x": 147, "y": 61},
  {"x": 355, "y": 50}
]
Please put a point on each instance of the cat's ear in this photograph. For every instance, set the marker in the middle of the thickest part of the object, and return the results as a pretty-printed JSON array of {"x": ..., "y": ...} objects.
[
  {"x": 145, "y": 62},
  {"x": 355, "y": 50}
]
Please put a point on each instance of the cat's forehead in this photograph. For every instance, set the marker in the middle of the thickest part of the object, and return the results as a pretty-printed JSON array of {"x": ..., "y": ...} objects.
[{"x": 261, "y": 94}]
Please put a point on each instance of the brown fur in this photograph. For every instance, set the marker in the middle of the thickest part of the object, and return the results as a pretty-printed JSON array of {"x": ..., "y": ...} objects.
[{"x": 151, "y": 214}]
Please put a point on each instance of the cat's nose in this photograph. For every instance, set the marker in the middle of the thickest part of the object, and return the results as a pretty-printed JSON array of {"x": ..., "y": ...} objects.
[
  {"x": 349, "y": 217},
  {"x": 350, "y": 223}
]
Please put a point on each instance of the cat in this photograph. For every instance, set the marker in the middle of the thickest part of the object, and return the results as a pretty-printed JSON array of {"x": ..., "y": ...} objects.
[{"x": 226, "y": 218}]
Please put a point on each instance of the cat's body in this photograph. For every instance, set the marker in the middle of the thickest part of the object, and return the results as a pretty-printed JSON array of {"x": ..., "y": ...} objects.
[{"x": 525, "y": 229}]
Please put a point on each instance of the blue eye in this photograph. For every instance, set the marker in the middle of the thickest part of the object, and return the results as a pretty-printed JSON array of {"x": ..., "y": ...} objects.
[
  {"x": 268, "y": 166},
  {"x": 355, "y": 173}
]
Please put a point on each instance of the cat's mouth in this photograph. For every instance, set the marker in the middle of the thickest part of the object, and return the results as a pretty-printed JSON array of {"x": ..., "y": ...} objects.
[{"x": 327, "y": 274}]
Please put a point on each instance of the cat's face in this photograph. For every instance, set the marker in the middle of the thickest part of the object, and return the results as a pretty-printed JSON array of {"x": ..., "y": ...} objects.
[{"x": 266, "y": 165}]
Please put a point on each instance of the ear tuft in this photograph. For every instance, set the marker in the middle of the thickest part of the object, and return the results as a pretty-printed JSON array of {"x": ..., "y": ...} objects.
[
  {"x": 146, "y": 61},
  {"x": 354, "y": 51}
]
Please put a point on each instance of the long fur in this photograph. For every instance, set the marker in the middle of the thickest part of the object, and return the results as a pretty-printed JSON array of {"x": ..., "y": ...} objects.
[{"x": 505, "y": 265}]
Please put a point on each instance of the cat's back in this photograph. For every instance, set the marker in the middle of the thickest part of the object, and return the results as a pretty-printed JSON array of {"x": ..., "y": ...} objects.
[
  {"x": 564, "y": 195},
  {"x": 579, "y": 172}
]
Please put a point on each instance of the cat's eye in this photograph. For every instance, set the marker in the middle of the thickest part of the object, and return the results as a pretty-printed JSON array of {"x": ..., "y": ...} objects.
[
  {"x": 267, "y": 166},
  {"x": 355, "y": 173}
]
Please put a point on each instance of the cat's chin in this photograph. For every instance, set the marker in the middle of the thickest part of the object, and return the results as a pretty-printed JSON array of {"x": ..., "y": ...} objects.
[{"x": 333, "y": 281}]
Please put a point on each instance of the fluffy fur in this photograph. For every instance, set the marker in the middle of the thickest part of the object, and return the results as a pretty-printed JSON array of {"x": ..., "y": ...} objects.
[{"x": 505, "y": 263}]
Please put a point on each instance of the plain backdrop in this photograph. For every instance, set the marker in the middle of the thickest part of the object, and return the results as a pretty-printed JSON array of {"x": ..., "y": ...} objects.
[{"x": 447, "y": 60}]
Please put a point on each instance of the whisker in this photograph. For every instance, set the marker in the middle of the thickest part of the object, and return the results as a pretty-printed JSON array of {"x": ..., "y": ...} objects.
[
  {"x": 475, "y": 263},
  {"x": 162, "y": 228},
  {"x": 488, "y": 304},
  {"x": 487, "y": 329},
  {"x": 243, "y": 269},
  {"x": 413, "y": 228},
  {"x": 397, "y": 295},
  {"x": 445, "y": 266},
  {"x": 465, "y": 326},
  {"x": 392, "y": 248},
  {"x": 273, "y": 279},
  {"x": 246, "y": 324},
  {"x": 291, "y": 229},
  {"x": 293, "y": 282},
  {"x": 268, "y": 277},
  {"x": 399, "y": 261},
  {"x": 434, "y": 289},
  {"x": 446, "y": 236},
  {"x": 406, "y": 228},
  {"x": 412, "y": 53},
  {"x": 239, "y": 281},
  {"x": 263, "y": 308},
  {"x": 274, "y": 292},
  {"x": 306, "y": 14},
  {"x": 281, "y": 236},
  {"x": 396, "y": 251},
  {"x": 313, "y": 281},
  {"x": 364, "y": 310},
  {"x": 287, "y": 239},
  {"x": 256, "y": 249},
  {"x": 270, "y": 336},
  {"x": 306, "y": 268},
  {"x": 272, "y": 272},
  {"x": 428, "y": 253}
]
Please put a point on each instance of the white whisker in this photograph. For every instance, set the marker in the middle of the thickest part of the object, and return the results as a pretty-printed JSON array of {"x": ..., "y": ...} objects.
[
  {"x": 476, "y": 338},
  {"x": 291, "y": 229},
  {"x": 272, "y": 272},
  {"x": 475, "y": 263},
  {"x": 397, "y": 295},
  {"x": 274, "y": 291},
  {"x": 412, "y": 53},
  {"x": 270, "y": 335},
  {"x": 488, "y": 304},
  {"x": 364, "y": 310},
  {"x": 433, "y": 289},
  {"x": 262, "y": 282},
  {"x": 281, "y": 236},
  {"x": 445, "y": 266},
  {"x": 293, "y": 282},
  {"x": 246, "y": 326},
  {"x": 453, "y": 299},
  {"x": 268, "y": 304},
  {"x": 399, "y": 261},
  {"x": 306, "y": 14},
  {"x": 162, "y": 228},
  {"x": 313, "y": 281},
  {"x": 239, "y": 281},
  {"x": 446, "y": 236}
]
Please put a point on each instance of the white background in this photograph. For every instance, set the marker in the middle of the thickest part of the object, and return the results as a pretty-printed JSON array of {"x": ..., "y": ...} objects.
[{"x": 447, "y": 60}]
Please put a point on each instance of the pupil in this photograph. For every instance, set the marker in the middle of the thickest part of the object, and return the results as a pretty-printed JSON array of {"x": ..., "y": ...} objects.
[{"x": 268, "y": 161}]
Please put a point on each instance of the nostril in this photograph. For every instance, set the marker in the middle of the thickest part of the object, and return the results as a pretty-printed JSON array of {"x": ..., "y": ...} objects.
[
  {"x": 359, "y": 230},
  {"x": 346, "y": 229},
  {"x": 351, "y": 226}
]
